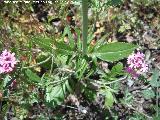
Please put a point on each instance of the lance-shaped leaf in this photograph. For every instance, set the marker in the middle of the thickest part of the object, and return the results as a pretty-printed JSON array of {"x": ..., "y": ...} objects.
[
  {"x": 44, "y": 42},
  {"x": 63, "y": 48},
  {"x": 114, "y": 51}
]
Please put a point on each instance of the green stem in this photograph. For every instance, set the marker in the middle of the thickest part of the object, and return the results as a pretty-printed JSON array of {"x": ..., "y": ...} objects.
[
  {"x": 85, "y": 24},
  {"x": 40, "y": 63},
  {"x": 157, "y": 102}
]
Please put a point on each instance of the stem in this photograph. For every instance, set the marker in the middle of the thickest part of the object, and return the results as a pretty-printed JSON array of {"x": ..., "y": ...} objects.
[
  {"x": 85, "y": 24},
  {"x": 65, "y": 70},
  {"x": 138, "y": 111},
  {"x": 52, "y": 65},
  {"x": 69, "y": 107},
  {"x": 40, "y": 63},
  {"x": 157, "y": 103},
  {"x": 108, "y": 83}
]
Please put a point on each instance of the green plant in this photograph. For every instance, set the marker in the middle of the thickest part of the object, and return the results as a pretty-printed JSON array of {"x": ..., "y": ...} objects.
[
  {"x": 51, "y": 68},
  {"x": 72, "y": 67},
  {"x": 153, "y": 91}
]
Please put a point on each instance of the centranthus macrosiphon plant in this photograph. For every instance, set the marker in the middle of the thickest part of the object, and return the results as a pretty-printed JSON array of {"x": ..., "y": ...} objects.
[{"x": 79, "y": 60}]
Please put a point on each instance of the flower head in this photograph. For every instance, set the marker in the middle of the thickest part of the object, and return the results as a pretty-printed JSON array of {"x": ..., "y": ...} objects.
[
  {"x": 136, "y": 64},
  {"x": 7, "y": 61}
]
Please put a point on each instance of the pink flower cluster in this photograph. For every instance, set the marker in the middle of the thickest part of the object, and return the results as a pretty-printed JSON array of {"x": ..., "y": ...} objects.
[
  {"x": 7, "y": 61},
  {"x": 136, "y": 64}
]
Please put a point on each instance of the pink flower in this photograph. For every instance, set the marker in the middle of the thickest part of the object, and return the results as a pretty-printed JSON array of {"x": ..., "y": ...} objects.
[
  {"x": 7, "y": 61},
  {"x": 133, "y": 73},
  {"x": 136, "y": 64}
]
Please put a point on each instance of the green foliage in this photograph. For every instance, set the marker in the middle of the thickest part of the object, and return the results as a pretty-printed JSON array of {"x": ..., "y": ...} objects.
[
  {"x": 64, "y": 49},
  {"x": 155, "y": 79},
  {"x": 111, "y": 75},
  {"x": 117, "y": 69},
  {"x": 4, "y": 109},
  {"x": 109, "y": 99},
  {"x": 7, "y": 79},
  {"x": 32, "y": 76},
  {"x": 67, "y": 67},
  {"x": 113, "y": 2},
  {"x": 90, "y": 94},
  {"x": 67, "y": 31},
  {"x": 44, "y": 42},
  {"x": 128, "y": 98},
  {"x": 148, "y": 94},
  {"x": 114, "y": 51},
  {"x": 98, "y": 4},
  {"x": 42, "y": 57},
  {"x": 81, "y": 66},
  {"x": 137, "y": 116},
  {"x": 56, "y": 94}
]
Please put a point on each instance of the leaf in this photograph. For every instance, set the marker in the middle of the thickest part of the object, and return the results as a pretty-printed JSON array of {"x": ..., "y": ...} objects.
[
  {"x": 57, "y": 94},
  {"x": 154, "y": 80},
  {"x": 67, "y": 31},
  {"x": 90, "y": 94},
  {"x": 109, "y": 99},
  {"x": 32, "y": 76},
  {"x": 128, "y": 98},
  {"x": 63, "y": 48},
  {"x": 114, "y": 51},
  {"x": 7, "y": 79},
  {"x": 81, "y": 67},
  {"x": 100, "y": 41},
  {"x": 114, "y": 2},
  {"x": 117, "y": 69},
  {"x": 148, "y": 94},
  {"x": 43, "y": 42},
  {"x": 4, "y": 109}
]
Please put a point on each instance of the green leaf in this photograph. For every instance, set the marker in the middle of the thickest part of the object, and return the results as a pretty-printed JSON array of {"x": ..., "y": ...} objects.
[
  {"x": 101, "y": 41},
  {"x": 56, "y": 94},
  {"x": 148, "y": 94},
  {"x": 4, "y": 108},
  {"x": 81, "y": 67},
  {"x": 7, "y": 79},
  {"x": 79, "y": 41},
  {"x": 63, "y": 48},
  {"x": 117, "y": 69},
  {"x": 43, "y": 42},
  {"x": 90, "y": 94},
  {"x": 32, "y": 76},
  {"x": 154, "y": 80},
  {"x": 114, "y": 2},
  {"x": 109, "y": 99},
  {"x": 67, "y": 31},
  {"x": 114, "y": 51}
]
